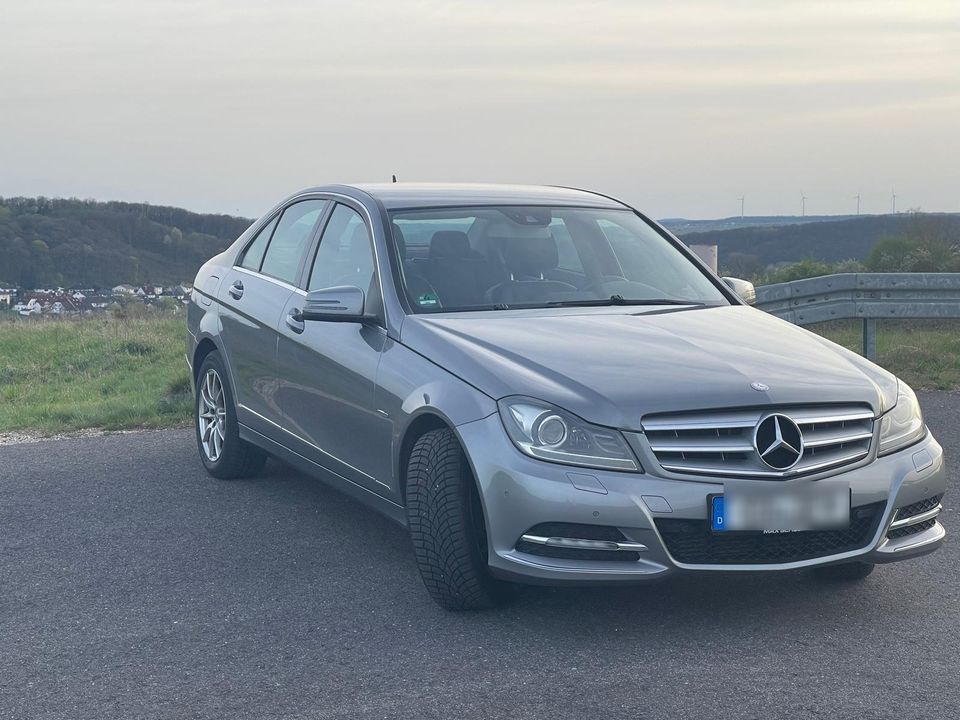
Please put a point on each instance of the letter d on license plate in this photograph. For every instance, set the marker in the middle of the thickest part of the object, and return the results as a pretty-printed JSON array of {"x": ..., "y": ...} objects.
[{"x": 812, "y": 506}]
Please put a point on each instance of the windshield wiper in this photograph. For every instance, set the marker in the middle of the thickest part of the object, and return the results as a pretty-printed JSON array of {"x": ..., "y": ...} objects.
[{"x": 620, "y": 300}]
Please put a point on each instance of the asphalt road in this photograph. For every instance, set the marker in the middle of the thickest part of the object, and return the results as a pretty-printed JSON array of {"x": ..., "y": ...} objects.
[{"x": 135, "y": 586}]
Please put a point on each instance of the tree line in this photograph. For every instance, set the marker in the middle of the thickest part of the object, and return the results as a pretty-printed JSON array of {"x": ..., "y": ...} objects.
[
  {"x": 913, "y": 242},
  {"x": 83, "y": 243}
]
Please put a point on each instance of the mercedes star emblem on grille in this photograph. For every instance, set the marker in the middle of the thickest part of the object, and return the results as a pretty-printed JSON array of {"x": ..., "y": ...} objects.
[{"x": 778, "y": 441}]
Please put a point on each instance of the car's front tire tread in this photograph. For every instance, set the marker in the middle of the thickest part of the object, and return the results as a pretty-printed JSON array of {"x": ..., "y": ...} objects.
[{"x": 440, "y": 490}]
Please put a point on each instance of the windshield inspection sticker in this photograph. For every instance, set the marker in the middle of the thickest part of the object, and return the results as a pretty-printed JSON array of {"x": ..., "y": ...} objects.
[{"x": 428, "y": 299}]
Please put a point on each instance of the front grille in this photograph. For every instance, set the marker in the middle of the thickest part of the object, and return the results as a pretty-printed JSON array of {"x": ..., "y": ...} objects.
[
  {"x": 919, "y": 507},
  {"x": 721, "y": 442},
  {"x": 691, "y": 541},
  {"x": 911, "y": 529}
]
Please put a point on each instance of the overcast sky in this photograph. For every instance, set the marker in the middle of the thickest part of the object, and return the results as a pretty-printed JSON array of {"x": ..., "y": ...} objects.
[{"x": 679, "y": 108}]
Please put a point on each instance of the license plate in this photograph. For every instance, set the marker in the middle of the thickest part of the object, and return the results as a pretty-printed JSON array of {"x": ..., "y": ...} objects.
[{"x": 780, "y": 509}]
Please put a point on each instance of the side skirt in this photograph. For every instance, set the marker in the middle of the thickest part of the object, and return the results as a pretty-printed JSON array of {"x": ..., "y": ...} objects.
[{"x": 392, "y": 510}]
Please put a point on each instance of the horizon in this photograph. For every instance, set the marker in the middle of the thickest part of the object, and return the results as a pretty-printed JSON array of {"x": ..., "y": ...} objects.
[
  {"x": 688, "y": 218},
  {"x": 679, "y": 109}
]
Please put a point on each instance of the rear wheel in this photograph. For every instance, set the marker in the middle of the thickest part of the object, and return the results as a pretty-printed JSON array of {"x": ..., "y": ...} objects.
[
  {"x": 223, "y": 453},
  {"x": 847, "y": 572},
  {"x": 447, "y": 526}
]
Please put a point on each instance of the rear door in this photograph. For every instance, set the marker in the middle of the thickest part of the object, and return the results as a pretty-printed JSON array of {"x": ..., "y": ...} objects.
[
  {"x": 252, "y": 297},
  {"x": 327, "y": 370}
]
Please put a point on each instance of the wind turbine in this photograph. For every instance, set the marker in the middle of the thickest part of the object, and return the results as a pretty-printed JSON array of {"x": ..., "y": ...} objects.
[
  {"x": 803, "y": 204},
  {"x": 741, "y": 206},
  {"x": 858, "y": 203},
  {"x": 893, "y": 198}
]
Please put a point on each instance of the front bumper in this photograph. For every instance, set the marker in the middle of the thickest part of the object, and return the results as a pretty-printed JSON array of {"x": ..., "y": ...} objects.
[{"x": 519, "y": 493}]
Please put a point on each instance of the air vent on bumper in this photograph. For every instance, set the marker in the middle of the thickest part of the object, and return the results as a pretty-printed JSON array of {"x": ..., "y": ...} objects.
[{"x": 575, "y": 541}]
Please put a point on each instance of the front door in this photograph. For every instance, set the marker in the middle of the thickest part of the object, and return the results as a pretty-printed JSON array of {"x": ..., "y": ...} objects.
[
  {"x": 252, "y": 297},
  {"x": 327, "y": 370}
]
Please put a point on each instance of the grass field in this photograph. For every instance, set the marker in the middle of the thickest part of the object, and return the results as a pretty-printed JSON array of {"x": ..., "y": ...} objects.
[
  {"x": 925, "y": 353},
  {"x": 93, "y": 373},
  {"x": 117, "y": 374}
]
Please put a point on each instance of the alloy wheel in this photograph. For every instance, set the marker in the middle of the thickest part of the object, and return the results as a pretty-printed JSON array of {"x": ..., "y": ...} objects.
[{"x": 211, "y": 415}]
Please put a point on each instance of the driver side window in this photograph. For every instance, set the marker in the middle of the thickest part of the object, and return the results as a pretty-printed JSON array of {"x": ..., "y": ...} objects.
[{"x": 345, "y": 255}]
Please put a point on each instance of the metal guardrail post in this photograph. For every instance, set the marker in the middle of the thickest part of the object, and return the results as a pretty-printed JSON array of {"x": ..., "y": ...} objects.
[{"x": 870, "y": 338}]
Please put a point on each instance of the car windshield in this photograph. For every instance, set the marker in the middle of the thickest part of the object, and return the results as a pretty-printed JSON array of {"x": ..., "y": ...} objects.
[{"x": 481, "y": 258}]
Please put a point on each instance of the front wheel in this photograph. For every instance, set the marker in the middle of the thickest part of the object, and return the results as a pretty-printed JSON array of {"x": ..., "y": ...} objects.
[
  {"x": 223, "y": 453},
  {"x": 846, "y": 572},
  {"x": 447, "y": 526}
]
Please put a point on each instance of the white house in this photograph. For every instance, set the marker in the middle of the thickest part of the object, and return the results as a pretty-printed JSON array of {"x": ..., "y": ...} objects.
[
  {"x": 124, "y": 289},
  {"x": 31, "y": 307}
]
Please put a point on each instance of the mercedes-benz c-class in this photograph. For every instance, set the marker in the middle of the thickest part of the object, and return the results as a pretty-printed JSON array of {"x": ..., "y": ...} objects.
[{"x": 545, "y": 386}]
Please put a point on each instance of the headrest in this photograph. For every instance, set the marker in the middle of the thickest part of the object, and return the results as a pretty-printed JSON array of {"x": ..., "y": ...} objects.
[
  {"x": 360, "y": 244},
  {"x": 449, "y": 243},
  {"x": 530, "y": 256},
  {"x": 400, "y": 240}
]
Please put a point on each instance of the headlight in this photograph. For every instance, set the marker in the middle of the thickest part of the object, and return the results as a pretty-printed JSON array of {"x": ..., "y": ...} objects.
[
  {"x": 549, "y": 433},
  {"x": 903, "y": 425}
]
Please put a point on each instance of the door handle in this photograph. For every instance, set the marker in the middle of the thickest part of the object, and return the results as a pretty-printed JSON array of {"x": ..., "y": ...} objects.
[
  {"x": 236, "y": 290},
  {"x": 294, "y": 320}
]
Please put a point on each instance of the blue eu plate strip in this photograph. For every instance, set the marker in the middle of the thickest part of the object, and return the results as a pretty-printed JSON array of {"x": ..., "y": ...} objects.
[{"x": 716, "y": 514}]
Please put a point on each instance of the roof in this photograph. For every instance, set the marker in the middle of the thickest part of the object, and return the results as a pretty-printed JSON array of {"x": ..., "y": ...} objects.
[{"x": 395, "y": 196}]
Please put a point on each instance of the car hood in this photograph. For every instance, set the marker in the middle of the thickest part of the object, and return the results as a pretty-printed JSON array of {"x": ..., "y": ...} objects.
[{"x": 612, "y": 366}]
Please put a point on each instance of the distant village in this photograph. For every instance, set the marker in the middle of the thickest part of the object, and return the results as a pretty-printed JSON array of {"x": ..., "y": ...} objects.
[{"x": 59, "y": 302}]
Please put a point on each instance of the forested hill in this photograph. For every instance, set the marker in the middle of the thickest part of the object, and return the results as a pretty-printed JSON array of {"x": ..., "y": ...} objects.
[
  {"x": 81, "y": 243},
  {"x": 752, "y": 248}
]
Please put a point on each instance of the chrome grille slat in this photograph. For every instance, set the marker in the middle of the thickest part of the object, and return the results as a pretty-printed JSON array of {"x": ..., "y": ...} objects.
[
  {"x": 836, "y": 439},
  {"x": 721, "y": 442},
  {"x": 802, "y": 420},
  {"x": 689, "y": 448}
]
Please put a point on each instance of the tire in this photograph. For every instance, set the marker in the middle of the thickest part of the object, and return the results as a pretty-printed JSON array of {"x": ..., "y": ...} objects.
[
  {"x": 228, "y": 458},
  {"x": 847, "y": 572},
  {"x": 447, "y": 526}
]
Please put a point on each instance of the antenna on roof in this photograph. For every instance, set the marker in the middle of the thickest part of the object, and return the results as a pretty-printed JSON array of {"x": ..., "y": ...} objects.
[{"x": 394, "y": 177}]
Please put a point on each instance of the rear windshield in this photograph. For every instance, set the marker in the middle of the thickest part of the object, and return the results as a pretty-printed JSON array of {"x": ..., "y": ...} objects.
[{"x": 480, "y": 258}]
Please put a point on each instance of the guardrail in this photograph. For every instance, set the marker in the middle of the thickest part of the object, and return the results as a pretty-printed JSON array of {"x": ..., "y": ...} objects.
[{"x": 866, "y": 296}]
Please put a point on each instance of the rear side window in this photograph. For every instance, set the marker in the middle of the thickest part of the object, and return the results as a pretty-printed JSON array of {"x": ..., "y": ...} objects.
[
  {"x": 253, "y": 255},
  {"x": 290, "y": 239},
  {"x": 344, "y": 256}
]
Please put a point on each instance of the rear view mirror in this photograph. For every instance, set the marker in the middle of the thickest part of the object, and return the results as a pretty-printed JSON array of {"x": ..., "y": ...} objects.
[
  {"x": 335, "y": 304},
  {"x": 743, "y": 288}
]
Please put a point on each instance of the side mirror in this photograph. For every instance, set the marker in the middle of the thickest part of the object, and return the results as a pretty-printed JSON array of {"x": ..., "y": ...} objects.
[
  {"x": 335, "y": 304},
  {"x": 743, "y": 288}
]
